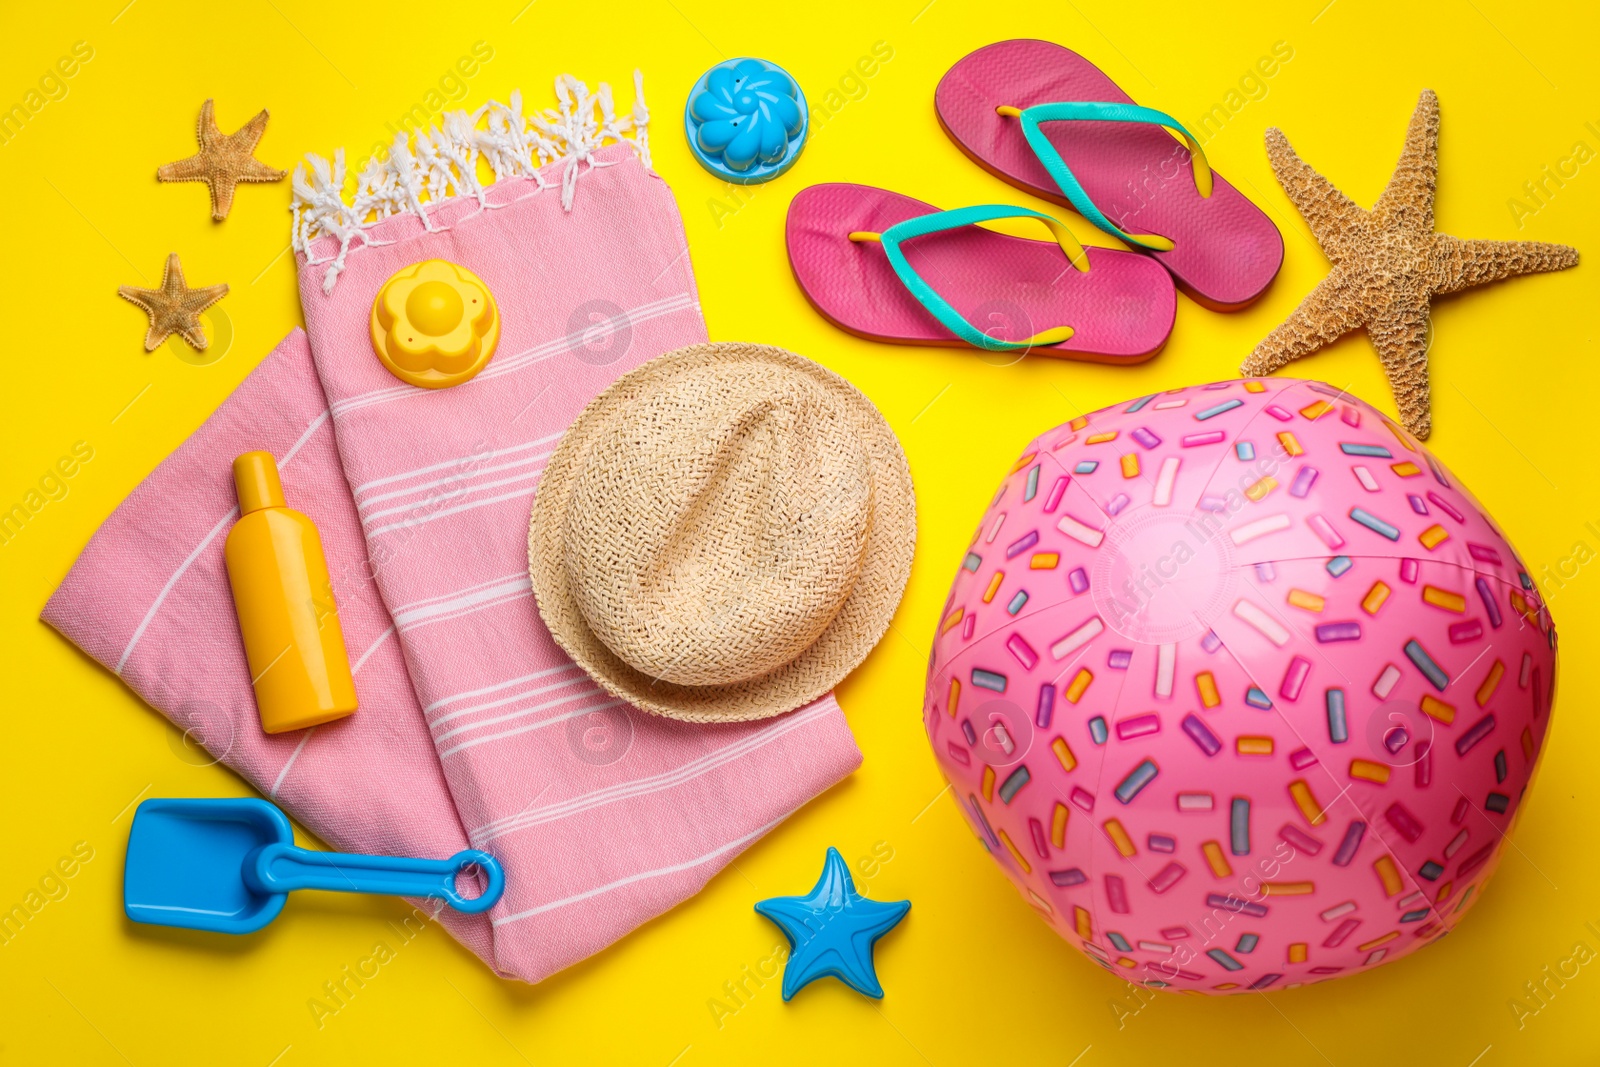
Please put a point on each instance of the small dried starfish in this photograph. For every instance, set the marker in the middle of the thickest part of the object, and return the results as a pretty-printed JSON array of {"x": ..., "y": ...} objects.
[
  {"x": 224, "y": 160},
  {"x": 1388, "y": 264},
  {"x": 174, "y": 308}
]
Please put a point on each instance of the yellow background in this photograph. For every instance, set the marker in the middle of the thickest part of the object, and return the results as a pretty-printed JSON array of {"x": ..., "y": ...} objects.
[{"x": 971, "y": 975}]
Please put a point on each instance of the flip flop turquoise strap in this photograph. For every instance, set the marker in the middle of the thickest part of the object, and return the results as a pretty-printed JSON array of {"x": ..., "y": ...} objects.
[
  {"x": 938, "y": 307},
  {"x": 1098, "y": 111}
]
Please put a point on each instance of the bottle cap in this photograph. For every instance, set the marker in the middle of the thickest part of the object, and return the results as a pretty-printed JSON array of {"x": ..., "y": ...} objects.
[{"x": 255, "y": 476}]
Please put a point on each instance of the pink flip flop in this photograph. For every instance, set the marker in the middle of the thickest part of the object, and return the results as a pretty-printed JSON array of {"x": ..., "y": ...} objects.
[
  {"x": 890, "y": 268},
  {"x": 1108, "y": 159}
]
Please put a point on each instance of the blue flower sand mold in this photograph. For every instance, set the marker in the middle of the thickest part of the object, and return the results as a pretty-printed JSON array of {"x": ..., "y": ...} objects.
[
  {"x": 832, "y": 930},
  {"x": 746, "y": 121}
]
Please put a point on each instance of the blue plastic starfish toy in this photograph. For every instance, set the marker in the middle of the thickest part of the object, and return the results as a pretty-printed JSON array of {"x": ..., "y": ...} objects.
[{"x": 832, "y": 931}]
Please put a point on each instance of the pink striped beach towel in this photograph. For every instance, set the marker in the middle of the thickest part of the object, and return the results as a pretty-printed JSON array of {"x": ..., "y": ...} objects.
[
  {"x": 149, "y": 599},
  {"x": 604, "y": 816}
]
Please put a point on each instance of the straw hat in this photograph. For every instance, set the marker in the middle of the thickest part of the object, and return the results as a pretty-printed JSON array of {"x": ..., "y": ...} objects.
[{"x": 723, "y": 534}]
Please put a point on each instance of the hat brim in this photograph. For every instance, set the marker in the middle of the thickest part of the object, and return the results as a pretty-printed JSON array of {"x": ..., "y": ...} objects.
[{"x": 857, "y": 627}]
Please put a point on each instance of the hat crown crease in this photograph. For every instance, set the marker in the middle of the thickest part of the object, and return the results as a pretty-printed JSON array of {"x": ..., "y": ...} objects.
[{"x": 719, "y": 525}]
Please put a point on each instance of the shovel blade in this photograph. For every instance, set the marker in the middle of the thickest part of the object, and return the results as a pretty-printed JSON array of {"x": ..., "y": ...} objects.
[{"x": 185, "y": 863}]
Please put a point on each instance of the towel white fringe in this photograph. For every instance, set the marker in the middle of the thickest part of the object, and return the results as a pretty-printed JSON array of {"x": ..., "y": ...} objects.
[{"x": 441, "y": 163}]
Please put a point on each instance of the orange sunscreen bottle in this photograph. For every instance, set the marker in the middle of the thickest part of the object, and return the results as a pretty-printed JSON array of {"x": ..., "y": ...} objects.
[{"x": 284, "y": 599}]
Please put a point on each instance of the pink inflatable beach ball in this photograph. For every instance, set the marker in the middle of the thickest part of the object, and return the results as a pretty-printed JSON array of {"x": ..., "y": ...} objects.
[{"x": 1240, "y": 686}]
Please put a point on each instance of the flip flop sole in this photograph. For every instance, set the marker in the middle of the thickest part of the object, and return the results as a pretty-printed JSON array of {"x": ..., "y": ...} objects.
[
  {"x": 1121, "y": 310},
  {"x": 1226, "y": 250}
]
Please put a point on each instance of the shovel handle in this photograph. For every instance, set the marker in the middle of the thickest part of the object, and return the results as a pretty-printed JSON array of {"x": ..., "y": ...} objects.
[{"x": 279, "y": 868}]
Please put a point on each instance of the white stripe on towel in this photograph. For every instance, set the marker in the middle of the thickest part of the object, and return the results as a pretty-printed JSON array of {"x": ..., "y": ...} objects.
[
  {"x": 278, "y": 782},
  {"x": 474, "y": 742},
  {"x": 587, "y": 693},
  {"x": 452, "y": 594},
  {"x": 294, "y": 449},
  {"x": 493, "y": 453},
  {"x": 172, "y": 581},
  {"x": 301, "y": 747},
  {"x": 512, "y": 363},
  {"x": 232, "y": 514},
  {"x": 574, "y": 676},
  {"x": 520, "y": 494},
  {"x": 496, "y": 687},
  {"x": 645, "y": 786},
  {"x": 356, "y": 667},
  {"x": 510, "y": 588},
  {"x": 641, "y": 876},
  {"x": 458, "y": 477},
  {"x": 462, "y": 490}
]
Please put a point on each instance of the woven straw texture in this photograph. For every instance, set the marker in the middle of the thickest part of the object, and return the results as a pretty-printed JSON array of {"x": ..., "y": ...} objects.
[{"x": 723, "y": 534}]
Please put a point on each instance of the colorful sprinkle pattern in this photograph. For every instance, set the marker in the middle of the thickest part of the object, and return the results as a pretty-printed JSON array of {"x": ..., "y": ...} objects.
[{"x": 1240, "y": 686}]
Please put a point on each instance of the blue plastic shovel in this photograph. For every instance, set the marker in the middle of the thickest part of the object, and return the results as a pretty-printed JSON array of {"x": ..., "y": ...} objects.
[{"x": 227, "y": 865}]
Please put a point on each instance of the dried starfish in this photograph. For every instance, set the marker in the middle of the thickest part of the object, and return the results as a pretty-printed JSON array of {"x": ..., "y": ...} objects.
[
  {"x": 174, "y": 308},
  {"x": 224, "y": 160},
  {"x": 1388, "y": 264}
]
